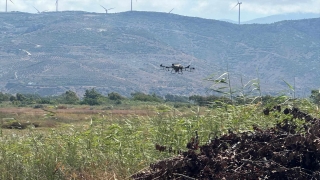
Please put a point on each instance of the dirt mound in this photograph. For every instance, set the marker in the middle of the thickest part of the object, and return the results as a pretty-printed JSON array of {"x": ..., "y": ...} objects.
[{"x": 276, "y": 153}]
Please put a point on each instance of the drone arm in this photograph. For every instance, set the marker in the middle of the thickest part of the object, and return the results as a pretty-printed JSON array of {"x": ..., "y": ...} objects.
[{"x": 188, "y": 68}]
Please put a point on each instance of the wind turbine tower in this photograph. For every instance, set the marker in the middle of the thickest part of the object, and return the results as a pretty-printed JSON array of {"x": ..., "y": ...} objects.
[
  {"x": 239, "y": 3},
  {"x": 56, "y": 5},
  {"x": 131, "y": 4},
  {"x": 7, "y": 5}
]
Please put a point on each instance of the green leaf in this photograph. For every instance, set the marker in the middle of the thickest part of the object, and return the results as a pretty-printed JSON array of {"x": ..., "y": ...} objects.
[{"x": 292, "y": 89}]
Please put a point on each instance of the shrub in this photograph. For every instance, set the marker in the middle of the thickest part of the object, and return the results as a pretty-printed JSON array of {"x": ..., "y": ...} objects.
[
  {"x": 139, "y": 96},
  {"x": 92, "y": 97},
  {"x": 38, "y": 106},
  {"x": 115, "y": 96}
]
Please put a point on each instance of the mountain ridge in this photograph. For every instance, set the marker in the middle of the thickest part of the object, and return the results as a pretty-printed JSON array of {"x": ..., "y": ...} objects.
[
  {"x": 50, "y": 53},
  {"x": 277, "y": 18}
]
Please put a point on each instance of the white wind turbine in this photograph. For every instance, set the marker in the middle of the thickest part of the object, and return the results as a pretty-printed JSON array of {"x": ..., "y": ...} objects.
[
  {"x": 239, "y": 3},
  {"x": 38, "y": 10},
  {"x": 131, "y": 4},
  {"x": 56, "y": 5},
  {"x": 7, "y": 5},
  {"x": 106, "y": 9}
]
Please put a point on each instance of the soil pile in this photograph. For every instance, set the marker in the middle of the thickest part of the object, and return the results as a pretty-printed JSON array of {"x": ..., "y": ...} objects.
[{"x": 276, "y": 153}]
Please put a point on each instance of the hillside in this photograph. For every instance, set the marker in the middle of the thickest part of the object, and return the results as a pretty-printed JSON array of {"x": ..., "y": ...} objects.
[
  {"x": 51, "y": 52},
  {"x": 282, "y": 17}
]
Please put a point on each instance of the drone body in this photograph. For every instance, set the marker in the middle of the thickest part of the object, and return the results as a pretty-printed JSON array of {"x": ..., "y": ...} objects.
[{"x": 177, "y": 68}]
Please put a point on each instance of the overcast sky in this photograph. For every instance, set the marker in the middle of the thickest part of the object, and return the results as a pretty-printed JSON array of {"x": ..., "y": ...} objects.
[{"x": 210, "y": 9}]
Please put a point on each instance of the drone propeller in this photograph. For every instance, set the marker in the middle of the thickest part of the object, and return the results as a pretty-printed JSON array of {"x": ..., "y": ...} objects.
[
  {"x": 164, "y": 67},
  {"x": 191, "y": 69},
  {"x": 188, "y": 68}
]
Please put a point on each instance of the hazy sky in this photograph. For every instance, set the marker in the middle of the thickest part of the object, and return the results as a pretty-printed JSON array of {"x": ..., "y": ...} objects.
[{"x": 210, "y": 9}]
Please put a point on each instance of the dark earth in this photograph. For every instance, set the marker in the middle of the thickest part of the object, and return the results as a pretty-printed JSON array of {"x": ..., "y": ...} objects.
[{"x": 286, "y": 151}]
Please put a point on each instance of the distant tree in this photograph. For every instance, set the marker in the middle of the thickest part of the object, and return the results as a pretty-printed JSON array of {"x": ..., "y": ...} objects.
[
  {"x": 176, "y": 98},
  {"x": 315, "y": 96},
  {"x": 139, "y": 96},
  {"x": 45, "y": 100},
  {"x": 26, "y": 99},
  {"x": 200, "y": 100},
  {"x": 115, "y": 96},
  {"x": 70, "y": 97},
  {"x": 194, "y": 98},
  {"x": 12, "y": 98},
  {"x": 92, "y": 97},
  {"x": 20, "y": 97},
  {"x": 207, "y": 100},
  {"x": 4, "y": 97}
]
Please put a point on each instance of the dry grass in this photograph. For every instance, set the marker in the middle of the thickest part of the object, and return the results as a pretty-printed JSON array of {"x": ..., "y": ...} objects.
[{"x": 52, "y": 116}]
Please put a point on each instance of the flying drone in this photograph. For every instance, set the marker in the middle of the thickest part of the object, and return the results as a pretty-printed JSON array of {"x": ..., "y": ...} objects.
[{"x": 177, "y": 68}]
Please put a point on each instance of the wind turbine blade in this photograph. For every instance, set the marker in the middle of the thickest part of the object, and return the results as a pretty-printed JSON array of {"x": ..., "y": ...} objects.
[
  {"x": 36, "y": 9},
  {"x": 110, "y": 8},
  {"x": 171, "y": 10},
  {"x": 235, "y": 6},
  {"x": 11, "y": 1},
  {"x": 103, "y": 7}
]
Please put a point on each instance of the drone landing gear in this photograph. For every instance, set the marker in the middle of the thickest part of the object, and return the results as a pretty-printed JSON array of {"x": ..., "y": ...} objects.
[{"x": 174, "y": 71}]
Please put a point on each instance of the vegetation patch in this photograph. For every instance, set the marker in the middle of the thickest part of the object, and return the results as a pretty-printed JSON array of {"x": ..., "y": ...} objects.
[
  {"x": 19, "y": 125},
  {"x": 83, "y": 141},
  {"x": 290, "y": 150}
]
